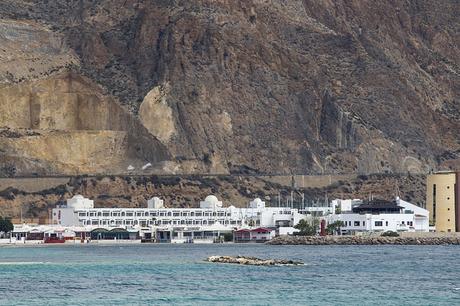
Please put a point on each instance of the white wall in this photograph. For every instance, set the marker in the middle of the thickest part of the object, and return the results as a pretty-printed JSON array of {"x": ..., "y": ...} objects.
[
  {"x": 345, "y": 205},
  {"x": 262, "y": 236},
  {"x": 287, "y": 230},
  {"x": 65, "y": 216},
  {"x": 257, "y": 203},
  {"x": 155, "y": 202},
  {"x": 390, "y": 222},
  {"x": 79, "y": 202}
]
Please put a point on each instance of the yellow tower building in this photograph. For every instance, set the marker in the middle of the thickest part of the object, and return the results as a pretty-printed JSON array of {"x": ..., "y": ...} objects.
[{"x": 442, "y": 201}]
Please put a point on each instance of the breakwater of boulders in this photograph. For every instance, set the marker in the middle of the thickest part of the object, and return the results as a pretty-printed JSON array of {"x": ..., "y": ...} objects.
[{"x": 362, "y": 240}]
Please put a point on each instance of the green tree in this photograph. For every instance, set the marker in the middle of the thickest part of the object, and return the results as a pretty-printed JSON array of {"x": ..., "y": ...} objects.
[
  {"x": 307, "y": 228},
  {"x": 5, "y": 225},
  {"x": 332, "y": 228},
  {"x": 251, "y": 222},
  {"x": 228, "y": 237},
  {"x": 338, "y": 210},
  {"x": 390, "y": 234}
]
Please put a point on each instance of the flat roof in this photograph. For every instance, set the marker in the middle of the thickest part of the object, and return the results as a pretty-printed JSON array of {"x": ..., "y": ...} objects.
[{"x": 445, "y": 172}]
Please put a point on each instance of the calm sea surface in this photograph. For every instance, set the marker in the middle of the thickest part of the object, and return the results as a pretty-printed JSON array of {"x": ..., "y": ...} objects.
[{"x": 176, "y": 274}]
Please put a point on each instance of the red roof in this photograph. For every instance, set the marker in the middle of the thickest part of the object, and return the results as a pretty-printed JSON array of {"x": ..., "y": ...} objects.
[{"x": 243, "y": 230}]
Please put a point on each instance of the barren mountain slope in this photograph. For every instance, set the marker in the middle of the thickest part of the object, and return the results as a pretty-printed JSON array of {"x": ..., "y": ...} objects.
[{"x": 222, "y": 86}]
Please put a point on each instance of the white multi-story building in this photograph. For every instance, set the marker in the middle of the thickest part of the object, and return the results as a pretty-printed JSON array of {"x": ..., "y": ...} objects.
[
  {"x": 81, "y": 212},
  {"x": 380, "y": 216}
]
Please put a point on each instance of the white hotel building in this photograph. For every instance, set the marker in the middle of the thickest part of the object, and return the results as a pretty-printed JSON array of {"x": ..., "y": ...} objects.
[
  {"x": 80, "y": 211},
  {"x": 379, "y": 216}
]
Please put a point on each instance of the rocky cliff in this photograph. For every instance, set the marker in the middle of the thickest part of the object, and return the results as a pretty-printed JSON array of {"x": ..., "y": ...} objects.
[{"x": 229, "y": 86}]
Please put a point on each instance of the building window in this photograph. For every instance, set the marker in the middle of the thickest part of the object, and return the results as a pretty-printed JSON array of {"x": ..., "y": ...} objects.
[
  {"x": 378, "y": 223},
  {"x": 448, "y": 220},
  {"x": 386, "y": 223},
  {"x": 434, "y": 202},
  {"x": 364, "y": 223},
  {"x": 356, "y": 223}
]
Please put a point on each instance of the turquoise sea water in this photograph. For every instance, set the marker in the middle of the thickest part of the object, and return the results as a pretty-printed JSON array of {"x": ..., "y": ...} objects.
[{"x": 176, "y": 274}]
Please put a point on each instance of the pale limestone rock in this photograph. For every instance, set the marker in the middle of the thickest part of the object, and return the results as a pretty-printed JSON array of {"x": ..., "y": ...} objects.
[
  {"x": 156, "y": 115},
  {"x": 224, "y": 121},
  {"x": 71, "y": 152}
]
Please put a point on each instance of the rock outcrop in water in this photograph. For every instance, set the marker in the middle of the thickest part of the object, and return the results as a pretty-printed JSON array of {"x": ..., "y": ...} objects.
[
  {"x": 253, "y": 261},
  {"x": 224, "y": 86},
  {"x": 362, "y": 240}
]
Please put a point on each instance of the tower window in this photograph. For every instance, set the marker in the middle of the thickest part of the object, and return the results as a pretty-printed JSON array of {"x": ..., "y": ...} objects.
[{"x": 434, "y": 202}]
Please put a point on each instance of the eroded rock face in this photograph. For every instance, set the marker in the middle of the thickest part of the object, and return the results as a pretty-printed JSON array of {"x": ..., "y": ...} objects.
[
  {"x": 64, "y": 124},
  {"x": 70, "y": 152},
  {"x": 31, "y": 50},
  {"x": 298, "y": 86},
  {"x": 62, "y": 102}
]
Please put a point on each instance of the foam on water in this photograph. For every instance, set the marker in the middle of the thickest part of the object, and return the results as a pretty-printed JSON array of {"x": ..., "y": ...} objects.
[{"x": 23, "y": 263}]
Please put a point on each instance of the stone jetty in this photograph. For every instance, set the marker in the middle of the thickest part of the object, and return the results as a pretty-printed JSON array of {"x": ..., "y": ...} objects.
[
  {"x": 254, "y": 261},
  {"x": 362, "y": 240}
]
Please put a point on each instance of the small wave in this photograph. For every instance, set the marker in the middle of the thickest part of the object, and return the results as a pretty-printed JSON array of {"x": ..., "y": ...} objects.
[
  {"x": 22, "y": 263},
  {"x": 456, "y": 288}
]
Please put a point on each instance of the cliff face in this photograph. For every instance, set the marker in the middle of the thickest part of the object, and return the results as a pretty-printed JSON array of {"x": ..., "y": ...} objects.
[{"x": 222, "y": 86}]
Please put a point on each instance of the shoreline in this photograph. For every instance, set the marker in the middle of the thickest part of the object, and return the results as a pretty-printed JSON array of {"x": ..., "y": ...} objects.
[
  {"x": 363, "y": 240},
  {"x": 278, "y": 241}
]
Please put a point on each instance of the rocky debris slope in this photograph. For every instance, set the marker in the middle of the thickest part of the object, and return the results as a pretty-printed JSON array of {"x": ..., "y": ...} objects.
[
  {"x": 275, "y": 86},
  {"x": 253, "y": 261},
  {"x": 34, "y": 197},
  {"x": 362, "y": 240}
]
